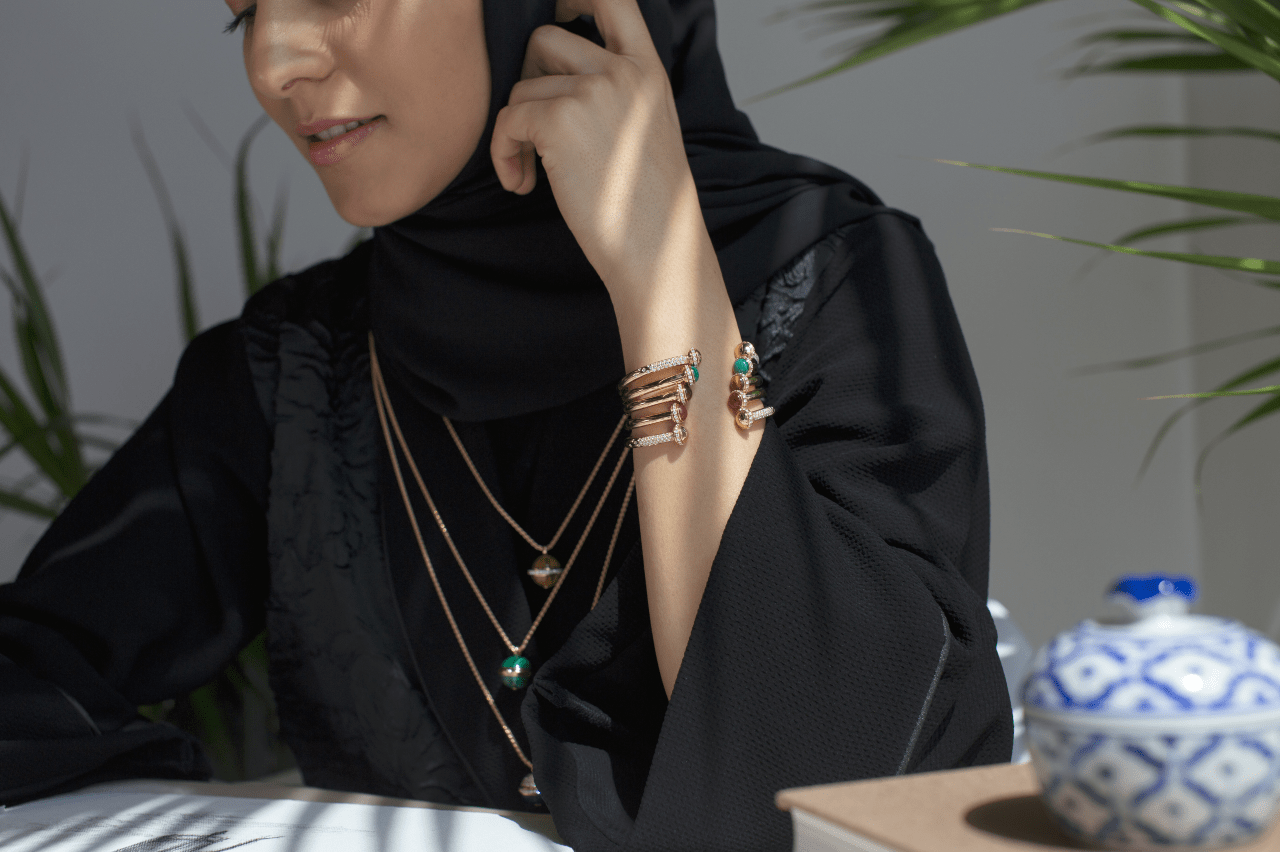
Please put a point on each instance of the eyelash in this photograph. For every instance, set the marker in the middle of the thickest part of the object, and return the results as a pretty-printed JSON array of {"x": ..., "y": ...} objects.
[{"x": 246, "y": 15}]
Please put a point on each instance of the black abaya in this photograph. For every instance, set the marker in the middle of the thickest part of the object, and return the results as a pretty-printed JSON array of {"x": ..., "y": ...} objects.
[{"x": 843, "y": 633}]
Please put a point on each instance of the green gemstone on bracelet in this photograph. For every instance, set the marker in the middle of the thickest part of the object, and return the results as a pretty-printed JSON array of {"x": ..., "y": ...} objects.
[
  {"x": 741, "y": 365},
  {"x": 516, "y": 671},
  {"x": 695, "y": 372}
]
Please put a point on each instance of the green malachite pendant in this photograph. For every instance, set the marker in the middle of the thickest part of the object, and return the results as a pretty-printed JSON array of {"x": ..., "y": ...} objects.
[
  {"x": 546, "y": 571},
  {"x": 516, "y": 671}
]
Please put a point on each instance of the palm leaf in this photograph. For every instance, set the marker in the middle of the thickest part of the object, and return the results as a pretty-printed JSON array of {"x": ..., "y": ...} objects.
[
  {"x": 1262, "y": 410},
  {"x": 1183, "y": 352},
  {"x": 246, "y": 229},
  {"x": 1198, "y": 61},
  {"x": 1266, "y": 207},
  {"x": 188, "y": 310},
  {"x": 1182, "y": 226},
  {"x": 1123, "y": 36},
  {"x": 1222, "y": 262},
  {"x": 1244, "y": 50},
  {"x": 41, "y": 353},
  {"x": 275, "y": 237},
  {"x": 1170, "y": 130},
  {"x": 917, "y": 21},
  {"x": 1253, "y": 374},
  {"x": 26, "y": 506},
  {"x": 1209, "y": 395}
]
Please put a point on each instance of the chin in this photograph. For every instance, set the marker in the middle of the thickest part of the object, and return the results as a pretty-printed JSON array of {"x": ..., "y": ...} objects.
[{"x": 365, "y": 208}]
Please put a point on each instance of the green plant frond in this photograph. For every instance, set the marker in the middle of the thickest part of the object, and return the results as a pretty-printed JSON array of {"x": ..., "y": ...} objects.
[
  {"x": 1176, "y": 62},
  {"x": 917, "y": 22},
  {"x": 1266, "y": 60},
  {"x": 1250, "y": 375},
  {"x": 188, "y": 313},
  {"x": 1223, "y": 262},
  {"x": 188, "y": 309},
  {"x": 1262, "y": 410},
  {"x": 1171, "y": 130},
  {"x": 246, "y": 229},
  {"x": 1183, "y": 352},
  {"x": 19, "y": 421},
  {"x": 58, "y": 436},
  {"x": 1182, "y": 226},
  {"x": 275, "y": 237},
  {"x": 1127, "y": 36},
  {"x": 1208, "y": 395},
  {"x": 216, "y": 734},
  {"x": 26, "y": 506},
  {"x": 17, "y": 440},
  {"x": 1259, "y": 16},
  {"x": 28, "y": 296},
  {"x": 1165, "y": 427},
  {"x": 1265, "y": 207},
  {"x": 41, "y": 357}
]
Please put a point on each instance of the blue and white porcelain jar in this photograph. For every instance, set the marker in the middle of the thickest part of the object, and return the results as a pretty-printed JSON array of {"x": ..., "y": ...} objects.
[{"x": 1150, "y": 727}]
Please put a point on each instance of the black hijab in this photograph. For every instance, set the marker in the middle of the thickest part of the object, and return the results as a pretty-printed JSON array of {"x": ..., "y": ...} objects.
[{"x": 483, "y": 304}]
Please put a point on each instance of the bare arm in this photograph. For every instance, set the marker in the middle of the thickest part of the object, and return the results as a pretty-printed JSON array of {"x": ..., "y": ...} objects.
[{"x": 605, "y": 124}]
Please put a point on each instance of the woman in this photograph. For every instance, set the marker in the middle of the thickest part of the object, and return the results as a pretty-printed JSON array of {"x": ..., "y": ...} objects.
[{"x": 388, "y": 457}]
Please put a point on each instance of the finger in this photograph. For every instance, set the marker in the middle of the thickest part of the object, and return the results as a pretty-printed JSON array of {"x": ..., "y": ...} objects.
[
  {"x": 515, "y": 141},
  {"x": 543, "y": 88},
  {"x": 554, "y": 50},
  {"x": 619, "y": 22}
]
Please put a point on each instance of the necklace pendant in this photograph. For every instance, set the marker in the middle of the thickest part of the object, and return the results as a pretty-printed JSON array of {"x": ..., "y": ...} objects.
[
  {"x": 529, "y": 791},
  {"x": 546, "y": 571},
  {"x": 516, "y": 672}
]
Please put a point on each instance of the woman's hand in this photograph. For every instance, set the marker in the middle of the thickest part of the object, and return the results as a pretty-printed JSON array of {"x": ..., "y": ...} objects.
[{"x": 604, "y": 122}]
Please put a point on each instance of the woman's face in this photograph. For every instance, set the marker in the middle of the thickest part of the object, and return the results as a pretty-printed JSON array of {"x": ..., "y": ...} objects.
[{"x": 413, "y": 73}]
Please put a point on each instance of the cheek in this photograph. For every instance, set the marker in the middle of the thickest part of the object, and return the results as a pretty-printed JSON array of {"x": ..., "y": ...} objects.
[{"x": 436, "y": 97}]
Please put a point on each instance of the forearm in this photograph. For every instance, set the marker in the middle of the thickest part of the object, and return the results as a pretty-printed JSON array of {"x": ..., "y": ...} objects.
[{"x": 684, "y": 494}]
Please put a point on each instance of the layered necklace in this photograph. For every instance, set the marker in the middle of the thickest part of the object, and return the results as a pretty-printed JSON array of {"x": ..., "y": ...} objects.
[
  {"x": 546, "y": 569},
  {"x": 516, "y": 669}
]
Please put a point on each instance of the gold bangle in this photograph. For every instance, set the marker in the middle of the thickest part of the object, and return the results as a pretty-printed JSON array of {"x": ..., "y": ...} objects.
[
  {"x": 677, "y": 413},
  {"x": 746, "y": 417},
  {"x": 692, "y": 359},
  {"x": 680, "y": 395},
  {"x": 747, "y": 386},
  {"x": 685, "y": 377},
  {"x": 678, "y": 434},
  {"x": 738, "y": 399}
]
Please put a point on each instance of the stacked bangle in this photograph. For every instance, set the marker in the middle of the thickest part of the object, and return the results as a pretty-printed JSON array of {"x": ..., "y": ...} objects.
[
  {"x": 672, "y": 391},
  {"x": 746, "y": 386}
]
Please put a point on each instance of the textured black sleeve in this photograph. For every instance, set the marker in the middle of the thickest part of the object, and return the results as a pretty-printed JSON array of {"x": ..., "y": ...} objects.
[
  {"x": 142, "y": 589},
  {"x": 843, "y": 633}
]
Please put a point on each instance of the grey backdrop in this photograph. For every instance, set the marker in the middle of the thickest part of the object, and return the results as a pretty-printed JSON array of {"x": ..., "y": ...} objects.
[{"x": 1067, "y": 514}]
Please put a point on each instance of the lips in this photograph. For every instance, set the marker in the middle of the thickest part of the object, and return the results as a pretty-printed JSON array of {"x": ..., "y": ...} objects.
[
  {"x": 330, "y": 128},
  {"x": 332, "y": 140}
]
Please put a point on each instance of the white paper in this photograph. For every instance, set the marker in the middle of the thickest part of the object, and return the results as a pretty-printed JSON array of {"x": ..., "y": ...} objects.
[{"x": 157, "y": 821}]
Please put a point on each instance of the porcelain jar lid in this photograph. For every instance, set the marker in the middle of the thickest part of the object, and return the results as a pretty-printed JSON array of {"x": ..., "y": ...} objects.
[{"x": 1147, "y": 657}]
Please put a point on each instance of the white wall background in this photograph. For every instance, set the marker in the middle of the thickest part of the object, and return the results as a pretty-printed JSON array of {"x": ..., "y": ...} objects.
[{"x": 1067, "y": 514}]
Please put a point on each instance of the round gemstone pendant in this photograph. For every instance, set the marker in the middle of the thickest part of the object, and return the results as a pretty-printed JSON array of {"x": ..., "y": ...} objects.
[
  {"x": 546, "y": 571},
  {"x": 516, "y": 671},
  {"x": 529, "y": 791}
]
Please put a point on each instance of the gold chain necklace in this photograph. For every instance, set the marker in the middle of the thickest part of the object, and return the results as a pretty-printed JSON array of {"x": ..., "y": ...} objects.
[
  {"x": 528, "y": 787},
  {"x": 546, "y": 569}
]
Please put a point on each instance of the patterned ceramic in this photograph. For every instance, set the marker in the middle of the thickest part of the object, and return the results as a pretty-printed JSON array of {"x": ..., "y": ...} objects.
[{"x": 1153, "y": 728}]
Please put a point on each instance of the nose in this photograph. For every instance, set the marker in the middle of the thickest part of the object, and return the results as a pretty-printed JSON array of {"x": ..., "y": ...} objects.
[{"x": 289, "y": 44}]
